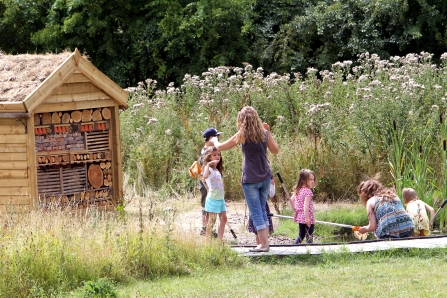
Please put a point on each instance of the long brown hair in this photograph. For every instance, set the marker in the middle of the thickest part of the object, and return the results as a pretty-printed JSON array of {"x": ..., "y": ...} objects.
[
  {"x": 373, "y": 188},
  {"x": 207, "y": 158},
  {"x": 303, "y": 177},
  {"x": 249, "y": 126}
]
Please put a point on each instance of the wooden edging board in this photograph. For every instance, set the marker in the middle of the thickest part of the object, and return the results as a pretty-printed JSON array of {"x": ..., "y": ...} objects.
[{"x": 356, "y": 246}]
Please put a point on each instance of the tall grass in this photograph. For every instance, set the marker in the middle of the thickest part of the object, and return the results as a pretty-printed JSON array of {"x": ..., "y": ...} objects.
[
  {"x": 337, "y": 122},
  {"x": 48, "y": 253}
]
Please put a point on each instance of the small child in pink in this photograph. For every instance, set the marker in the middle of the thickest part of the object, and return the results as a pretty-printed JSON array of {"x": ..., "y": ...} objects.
[{"x": 304, "y": 206}]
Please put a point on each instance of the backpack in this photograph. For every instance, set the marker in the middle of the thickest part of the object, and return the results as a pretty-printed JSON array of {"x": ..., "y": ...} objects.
[{"x": 195, "y": 170}]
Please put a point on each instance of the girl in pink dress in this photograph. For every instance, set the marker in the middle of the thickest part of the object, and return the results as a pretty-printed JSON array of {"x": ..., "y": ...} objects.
[{"x": 303, "y": 205}]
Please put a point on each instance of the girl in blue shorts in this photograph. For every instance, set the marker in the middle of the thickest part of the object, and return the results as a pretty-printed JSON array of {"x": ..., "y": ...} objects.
[{"x": 215, "y": 202}]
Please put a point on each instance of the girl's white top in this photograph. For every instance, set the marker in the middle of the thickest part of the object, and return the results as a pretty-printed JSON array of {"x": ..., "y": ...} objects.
[{"x": 215, "y": 185}]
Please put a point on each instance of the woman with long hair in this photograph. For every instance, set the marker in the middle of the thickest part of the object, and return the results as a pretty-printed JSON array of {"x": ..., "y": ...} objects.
[{"x": 255, "y": 138}]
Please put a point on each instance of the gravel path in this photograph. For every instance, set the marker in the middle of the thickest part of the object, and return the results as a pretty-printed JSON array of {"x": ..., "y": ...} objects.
[{"x": 237, "y": 216}]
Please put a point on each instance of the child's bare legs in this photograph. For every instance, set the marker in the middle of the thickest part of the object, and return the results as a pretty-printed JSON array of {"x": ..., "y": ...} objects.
[
  {"x": 257, "y": 239},
  {"x": 211, "y": 222},
  {"x": 205, "y": 218},
  {"x": 222, "y": 223}
]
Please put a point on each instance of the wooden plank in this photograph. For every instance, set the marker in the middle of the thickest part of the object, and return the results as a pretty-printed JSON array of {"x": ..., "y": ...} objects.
[
  {"x": 31, "y": 157},
  {"x": 101, "y": 80},
  {"x": 13, "y": 174},
  {"x": 74, "y": 88},
  {"x": 115, "y": 142},
  {"x": 8, "y": 121},
  {"x": 13, "y": 182},
  {"x": 51, "y": 84},
  {"x": 12, "y": 107},
  {"x": 14, "y": 200},
  {"x": 76, "y": 97},
  {"x": 13, "y": 165},
  {"x": 70, "y": 106},
  {"x": 16, "y": 191},
  {"x": 13, "y": 139},
  {"x": 14, "y": 115},
  {"x": 77, "y": 77},
  {"x": 12, "y": 156},
  {"x": 4, "y": 147},
  {"x": 18, "y": 129}
]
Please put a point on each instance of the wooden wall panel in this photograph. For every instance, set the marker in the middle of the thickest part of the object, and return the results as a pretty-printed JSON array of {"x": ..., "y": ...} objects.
[
  {"x": 77, "y": 78},
  {"x": 14, "y": 165},
  {"x": 12, "y": 129},
  {"x": 77, "y": 97},
  {"x": 12, "y": 156},
  {"x": 14, "y": 200},
  {"x": 12, "y": 139},
  {"x": 12, "y": 148},
  {"x": 74, "y": 88},
  {"x": 14, "y": 182},
  {"x": 13, "y": 174},
  {"x": 75, "y": 105},
  {"x": 15, "y": 191}
]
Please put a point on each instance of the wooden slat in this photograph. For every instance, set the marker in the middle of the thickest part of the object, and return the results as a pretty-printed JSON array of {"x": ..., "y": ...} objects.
[
  {"x": 98, "y": 141},
  {"x": 8, "y": 121},
  {"x": 13, "y": 139},
  {"x": 12, "y": 129},
  {"x": 77, "y": 97},
  {"x": 77, "y": 77},
  {"x": 13, "y": 182},
  {"x": 14, "y": 115},
  {"x": 18, "y": 107},
  {"x": 12, "y": 147},
  {"x": 13, "y": 165},
  {"x": 16, "y": 191},
  {"x": 14, "y": 200},
  {"x": 117, "y": 169},
  {"x": 13, "y": 174},
  {"x": 70, "y": 106},
  {"x": 101, "y": 80},
  {"x": 51, "y": 84},
  {"x": 75, "y": 88},
  {"x": 12, "y": 156},
  {"x": 15, "y": 208},
  {"x": 31, "y": 157},
  {"x": 48, "y": 182}
]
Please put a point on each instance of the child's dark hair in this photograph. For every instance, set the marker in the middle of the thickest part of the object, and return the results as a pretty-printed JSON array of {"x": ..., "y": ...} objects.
[
  {"x": 207, "y": 158},
  {"x": 303, "y": 176}
]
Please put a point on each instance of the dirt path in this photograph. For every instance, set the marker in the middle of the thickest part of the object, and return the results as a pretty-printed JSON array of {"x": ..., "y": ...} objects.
[{"x": 237, "y": 215}]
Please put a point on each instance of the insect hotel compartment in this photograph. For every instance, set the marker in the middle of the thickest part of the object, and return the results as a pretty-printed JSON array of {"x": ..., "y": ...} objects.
[{"x": 74, "y": 157}]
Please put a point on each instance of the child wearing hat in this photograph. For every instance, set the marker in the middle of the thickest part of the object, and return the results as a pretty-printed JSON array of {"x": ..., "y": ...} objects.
[{"x": 207, "y": 135}]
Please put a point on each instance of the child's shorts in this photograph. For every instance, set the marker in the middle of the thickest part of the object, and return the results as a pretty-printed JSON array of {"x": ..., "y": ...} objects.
[
  {"x": 215, "y": 206},
  {"x": 421, "y": 233}
]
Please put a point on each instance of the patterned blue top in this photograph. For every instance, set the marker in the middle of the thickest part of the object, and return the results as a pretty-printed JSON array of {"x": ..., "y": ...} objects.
[{"x": 392, "y": 220}]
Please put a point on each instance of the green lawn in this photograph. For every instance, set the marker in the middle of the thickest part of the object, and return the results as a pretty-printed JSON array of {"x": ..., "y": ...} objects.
[{"x": 397, "y": 273}]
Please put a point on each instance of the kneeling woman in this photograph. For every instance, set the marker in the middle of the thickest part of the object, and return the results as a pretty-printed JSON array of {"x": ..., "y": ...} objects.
[{"x": 386, "y": 214}]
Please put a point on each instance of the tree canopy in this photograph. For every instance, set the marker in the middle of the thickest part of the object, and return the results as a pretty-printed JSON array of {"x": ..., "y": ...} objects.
[{"x": 166, "y": 39}]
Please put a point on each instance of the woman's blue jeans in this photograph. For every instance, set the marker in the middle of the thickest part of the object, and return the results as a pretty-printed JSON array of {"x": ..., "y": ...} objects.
[{"x": 256, "y": 197}]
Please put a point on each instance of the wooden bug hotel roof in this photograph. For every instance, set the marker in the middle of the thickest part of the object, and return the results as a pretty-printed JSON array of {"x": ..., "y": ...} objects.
[{"x": 31, "y": 78}]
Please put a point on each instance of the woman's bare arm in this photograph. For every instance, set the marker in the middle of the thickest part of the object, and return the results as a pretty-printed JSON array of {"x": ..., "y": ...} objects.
[{"x": 226, "y": 145}]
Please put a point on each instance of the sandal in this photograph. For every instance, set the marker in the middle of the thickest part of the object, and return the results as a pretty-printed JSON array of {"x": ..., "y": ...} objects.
[{"x": 260, "y": 249}]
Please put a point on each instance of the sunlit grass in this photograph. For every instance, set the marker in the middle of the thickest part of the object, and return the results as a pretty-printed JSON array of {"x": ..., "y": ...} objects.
[
  {"x": 48, "y": 253},
  {"x": 398, "y": 272}
]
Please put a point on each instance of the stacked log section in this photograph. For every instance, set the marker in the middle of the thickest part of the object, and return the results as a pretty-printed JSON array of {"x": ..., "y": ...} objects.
[{"x": 74, "y": 157}]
